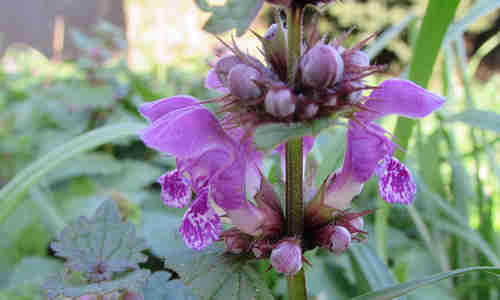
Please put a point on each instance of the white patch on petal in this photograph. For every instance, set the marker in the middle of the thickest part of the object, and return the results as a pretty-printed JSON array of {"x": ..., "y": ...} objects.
[
  {"x": 395, "y": 182},
  {"x": 175, "y": 189},
  {"x": 200, "y": 225}
]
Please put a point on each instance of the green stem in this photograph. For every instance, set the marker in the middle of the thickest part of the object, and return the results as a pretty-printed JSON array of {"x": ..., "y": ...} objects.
[
  {"x": 294, "y": 24},
  {"x": 294, "y": 163},
  {"x": 295, "y": 211}
]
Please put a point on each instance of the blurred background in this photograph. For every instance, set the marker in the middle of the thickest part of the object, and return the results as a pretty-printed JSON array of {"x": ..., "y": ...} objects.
[{"x": 69, "y": 66}]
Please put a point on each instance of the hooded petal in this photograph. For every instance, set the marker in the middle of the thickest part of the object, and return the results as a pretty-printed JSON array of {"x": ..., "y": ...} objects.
[
  {"x": 186, "y": 132},
  {"x": 395, "y": 182},
  {"x": 227, "y": 187},
  {"x": 157, "y": 109},
  {"x": 200, "y": 225},
  {"x": 366, "y": 146},
  {"x": 403, "y": 97},
  {"x": 175, "y": 189},
  {"x": 212, "y": 82}
]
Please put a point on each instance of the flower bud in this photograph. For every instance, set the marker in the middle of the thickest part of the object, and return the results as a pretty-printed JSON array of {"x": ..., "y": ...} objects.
[
  {"x": 340, "y": 239},
  {"x": 356, "y": 60},
  {"x": 310, "y": 110},
  {"x": 286, "y": 257},
  {"x": 280, "y": 102},
  {"x": 241, "y": 82},
  {"x": 321, "y": 66},
  {"x": 356, "y": 88},
  {"x": 357, "y": 223},
  {"x": 261, "y": 248},
  {"x": 236, "y": 241},
  {"x": 224, "y": 66}
]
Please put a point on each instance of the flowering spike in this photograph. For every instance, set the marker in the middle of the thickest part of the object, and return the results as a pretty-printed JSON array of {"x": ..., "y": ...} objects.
[
  {"x": 286, "y": 257},
  {"x": 200, "y": 224},
  {"x": 175, "y": 189},
  {"x": 395, "y": 182}
]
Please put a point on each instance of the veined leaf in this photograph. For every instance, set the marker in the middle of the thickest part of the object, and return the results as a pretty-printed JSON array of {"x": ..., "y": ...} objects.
[
  {"x": 211, "y": 273},
  {"x": 405, "y": 288},
  {"x": 161, "y": 287}
]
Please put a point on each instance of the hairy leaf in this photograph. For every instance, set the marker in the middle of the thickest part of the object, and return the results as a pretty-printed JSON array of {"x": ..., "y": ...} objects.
[
  {"x": 211, "y": 273},
  {"x": 161, "y": 287},
  {"x": 101, "y": 245},
  {"x": 271, "y": 135},
  {"x": 65, "y": 286},
  {"x": 237, "y": 14}
]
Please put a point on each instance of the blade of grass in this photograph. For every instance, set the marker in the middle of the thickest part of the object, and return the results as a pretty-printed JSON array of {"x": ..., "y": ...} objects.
[
  {"x": 435, "y": 24},
  {"x": 405, "y": 288},
  {"x": 387, "y": 36},
  {"x": 11, "y": 194}
]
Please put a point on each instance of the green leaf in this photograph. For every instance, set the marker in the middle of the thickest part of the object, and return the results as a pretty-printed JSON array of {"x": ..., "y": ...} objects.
[
  {"x": 435, "y": 24},
  {"x": 404, "y": 288},
  {"x": 62, "y": 286},
  {"x": 101, "y": 245},
  {"x": 211, "y": 273},
  {"x": 23, "y": 271},
  {"x": 271, "y": 135},
  {"x": 10, "y": 194},
  {"x": 237, "y": 14},
  {"x": 161, "y": 287},
  {"x": 376, "y": 273},
  {"x": 388, "y": 35},
  {"x": 479, "y": 9},
  {"x": 487, "y": 120}
]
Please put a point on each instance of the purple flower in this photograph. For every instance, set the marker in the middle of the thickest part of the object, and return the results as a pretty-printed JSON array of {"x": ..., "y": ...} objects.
[
  {"x": 370, "y": 151},
  {"x": 216, "y": 162}
]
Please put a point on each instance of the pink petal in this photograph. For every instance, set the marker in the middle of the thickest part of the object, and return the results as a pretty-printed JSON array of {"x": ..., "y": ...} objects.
[
  {"x": 175, "y": 189},
  {"x": 157, "y": 109},
  {"x": 227, "y": 187},
  {"x": 247, "y": 218},
  {"x": 200, "y": 225},
  {"x": 403, "y": 97},
  {"x": 185, "y": 133},
  {"x": 342, "y": 189},
  {"x": 213, "y": 82},
  {"x": 366, "y": 146},
  {"x": 395, "y": 182}
]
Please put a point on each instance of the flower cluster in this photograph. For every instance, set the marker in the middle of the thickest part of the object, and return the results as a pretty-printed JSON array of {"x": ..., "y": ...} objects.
[{"x": 218, "y": 168}]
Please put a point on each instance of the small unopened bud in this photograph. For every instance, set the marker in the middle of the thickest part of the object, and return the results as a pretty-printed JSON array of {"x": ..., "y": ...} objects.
[
  {"x": 311, "y": 110},
  {"x": 224, "y": 66},
  {"x": 280, "y": 102},
  {"x": 353, "y": 61},
  {"x": 262, "y": 248},
  {"x": 241, "y": 82},
  {"x": 236, "y": 241},
  {"x": 321, "y": 66},
  {"x": 340, "y": 239},
  {"x": 356, "y": 94},
  {"x": 332, "y": 101},
  {"x": 357, "y": 223},
  {"x": 286, "y": 257}
]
